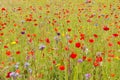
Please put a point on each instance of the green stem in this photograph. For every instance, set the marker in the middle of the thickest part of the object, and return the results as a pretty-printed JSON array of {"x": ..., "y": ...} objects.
[{"x": 66, "y": 70}]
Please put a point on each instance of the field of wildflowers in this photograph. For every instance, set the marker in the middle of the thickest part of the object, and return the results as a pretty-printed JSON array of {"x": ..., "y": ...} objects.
[{"x": 59, "y": 39}]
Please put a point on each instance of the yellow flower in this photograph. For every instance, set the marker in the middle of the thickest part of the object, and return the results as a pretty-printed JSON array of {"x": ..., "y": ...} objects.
[
  {"x": 13, "y": 43},
  {"x": 48, "y": 32},
  {"x": 57, "y": 64},
  {"x": 63, "y": 34},
  {"x": 117, "y": 58}
]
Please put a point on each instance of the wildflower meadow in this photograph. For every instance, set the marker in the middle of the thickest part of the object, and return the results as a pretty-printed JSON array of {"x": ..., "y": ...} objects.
[{"x": 59, "y": 39}]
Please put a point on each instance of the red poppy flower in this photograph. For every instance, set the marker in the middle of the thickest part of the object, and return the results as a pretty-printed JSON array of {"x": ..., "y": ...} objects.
[
  {"x": 1, "y": 34},
  {"x": 62, "y": 67},
  {"x": 56, "y": 29},
  {"x": 106, "y": 16},
  {"x": 34, "y": 35},
  {"x": 8, "y": 75},
  {"x": 115, "y": 35},
  {"x": 112, "y": 75},
  {"x": 111, "y": 55},
  {"x": 24, "y": 29},
  {"x": 89, "y": 59},
  {"x": 66, "y": 48},
  {"x": 8, "y": 53},
  {"x": 96, "y": 64},
  {"x": 5, "y": 46},
  {"x": 73, "y": 55},
  {"x": 47, "y": 40},
  {"x": 84, "y": 58},
  {"x": 91, "y": 16},
  {"x": 77, "y": 44},
  {"x": 70, "y": 41},
  {"x": 17, "y": 52},
  {"x": 35, "y": 24},
  {"x": 82, "y": 36},
  {"x": 105, "y": 28},
  {"x": 91, "y": 40},
  {"x": 110, "y": 44},
  {"x": 29, "y": 19},
  {"x": 28, "y": 35},
  {"x": 15, "y": 25},
  {"x": 99, "y": 59},
  {"x": 69, "y": 29},
  {"x": 118, "y": 42},
  {"x": 68, "y": 21},
  {"x": 54, "y": 62},
  {"x": 95, "y": 35},
  {"x": 31, "y": 53},
  {"x": 99, "y": 16},
  {"x": 3, "y": 9}
]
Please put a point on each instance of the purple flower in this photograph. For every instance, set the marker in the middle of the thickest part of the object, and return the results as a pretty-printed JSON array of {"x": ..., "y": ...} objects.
[
  {"x": 22, "y": 32},
  {"x": 14, "y": 75},
  {"x": 26, "y": 64},
  {"x": 41, "y": 47},
  {"x": 87, "y": 76},
  {"x": 80, "y": 60},
  {"x": 16, "y": 65}
]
